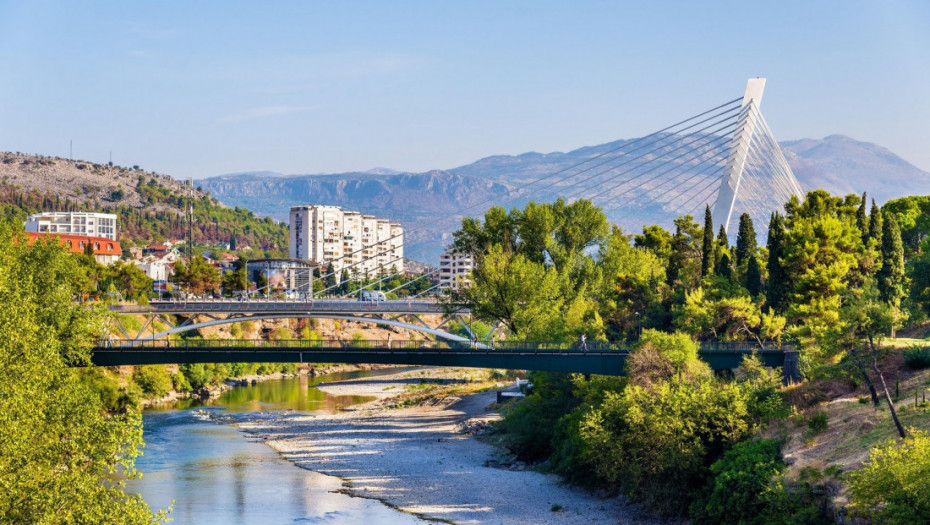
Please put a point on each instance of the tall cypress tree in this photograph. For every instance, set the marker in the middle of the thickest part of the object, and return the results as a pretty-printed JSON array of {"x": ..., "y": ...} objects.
[
  {"x": 707, "y": 248},
  {"x": 745, "y": 240},
  {"x": 753, "y": 279},
  {"x": 890, "y": 277},
  {"x": 875, "y": 223},
  {"x": 862, "y": 221},
  {"x": 724, "y": 267},
  {"x": 778, "y": 286},
  {"x": 722, "y": 245}
]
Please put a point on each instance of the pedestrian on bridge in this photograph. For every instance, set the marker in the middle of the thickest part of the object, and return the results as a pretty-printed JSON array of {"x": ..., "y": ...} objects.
[{"x": 583, "y": 344}]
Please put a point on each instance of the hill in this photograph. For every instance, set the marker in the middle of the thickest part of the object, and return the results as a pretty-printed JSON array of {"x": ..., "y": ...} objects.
[
  {"x": 149, "y": 205},
  {"x": 423, "y": 202}
]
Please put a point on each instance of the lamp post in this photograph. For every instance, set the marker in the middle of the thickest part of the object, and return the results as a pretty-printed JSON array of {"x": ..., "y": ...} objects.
[{"x": 639, "y": 326}]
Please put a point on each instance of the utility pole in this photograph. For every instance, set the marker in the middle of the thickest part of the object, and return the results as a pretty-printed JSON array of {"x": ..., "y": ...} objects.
[
  {"x": 190, "y": 220},
  {"x": 71, "y": 149}
]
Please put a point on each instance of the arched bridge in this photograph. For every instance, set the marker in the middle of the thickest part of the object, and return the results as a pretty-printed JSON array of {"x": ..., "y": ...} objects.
[{"x": 596, "y": 358}]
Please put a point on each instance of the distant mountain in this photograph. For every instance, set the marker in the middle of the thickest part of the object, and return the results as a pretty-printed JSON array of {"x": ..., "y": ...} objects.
[
  {"x": 843, "y": 165},
  {"x": 430, "y": 204}
]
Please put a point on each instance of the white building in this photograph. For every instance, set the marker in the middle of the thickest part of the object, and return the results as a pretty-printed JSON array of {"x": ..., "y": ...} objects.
[
  {"x": 363, "y": 244},
  {"x": 85, "y": 223},
  {"x": 454, "y": 269}
]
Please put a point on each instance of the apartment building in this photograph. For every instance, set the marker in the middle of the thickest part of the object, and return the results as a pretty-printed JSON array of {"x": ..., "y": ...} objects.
[
  {"x": 454, "y": 269},
  {"x": 361, "y": 244},
  {"x": 89, "y": 224}
]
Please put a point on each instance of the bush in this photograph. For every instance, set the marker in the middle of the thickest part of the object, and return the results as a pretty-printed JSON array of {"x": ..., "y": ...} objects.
[
  {"x": 748, "y": 487},
  {"x": 891, "y": 487},
  {"x": 917, "y": 357},
  {"x": 741, "y": 478},
  {"x": 197, "y": 375},
  {"x": 817, "y": 422},
  {"x": 531, "y": 423},
  {"x": 656, "y": 444},
  {"x": 153, "y": 380}
]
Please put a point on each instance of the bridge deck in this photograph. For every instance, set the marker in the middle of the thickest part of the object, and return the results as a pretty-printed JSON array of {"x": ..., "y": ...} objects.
[
  {"x": 297, "y": 307},
  {"x": 597, "y": 358}
]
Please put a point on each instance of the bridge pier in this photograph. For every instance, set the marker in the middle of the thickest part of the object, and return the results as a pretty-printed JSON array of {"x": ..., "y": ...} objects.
[{"x": 791, "y": 368}]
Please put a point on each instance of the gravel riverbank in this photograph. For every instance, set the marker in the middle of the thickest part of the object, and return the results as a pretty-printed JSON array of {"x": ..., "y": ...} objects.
[{"x": 422, "y": 461}]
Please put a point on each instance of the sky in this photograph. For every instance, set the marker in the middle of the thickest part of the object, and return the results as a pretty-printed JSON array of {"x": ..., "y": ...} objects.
[{"x": 196, "y": 89}]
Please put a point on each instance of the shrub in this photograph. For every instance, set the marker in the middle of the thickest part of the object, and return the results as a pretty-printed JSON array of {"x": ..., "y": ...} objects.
[
  {"x": 656, "y": 444},
  {"x": 891, "y": 487},
  {"x": 197, "y": 375},
  {"x": 817, "y": 422},
  {"x": 741, "y": 478},
  {"x": 153, "y": 380},
  {"x": 917, "y": 357},
  {"x": 748, "y": 487}
]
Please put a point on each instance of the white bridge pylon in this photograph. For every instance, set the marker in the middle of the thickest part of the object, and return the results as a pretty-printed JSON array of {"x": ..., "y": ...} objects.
[{"x": 755, "y": 164}]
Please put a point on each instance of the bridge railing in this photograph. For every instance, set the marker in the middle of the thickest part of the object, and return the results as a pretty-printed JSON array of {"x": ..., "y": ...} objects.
[
  {"x": 276, "y": 306},
  {"x": 384, "y": 345}
]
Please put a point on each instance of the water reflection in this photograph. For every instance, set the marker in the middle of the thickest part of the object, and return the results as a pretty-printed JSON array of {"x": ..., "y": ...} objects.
[{"x": 217, "y": 474}]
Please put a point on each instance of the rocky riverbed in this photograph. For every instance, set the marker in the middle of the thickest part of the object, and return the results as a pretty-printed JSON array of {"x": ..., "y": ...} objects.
[{"x": 425, "y": 460}]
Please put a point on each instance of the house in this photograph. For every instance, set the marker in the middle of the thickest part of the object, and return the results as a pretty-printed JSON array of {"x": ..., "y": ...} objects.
[{"x": 106, "y": 251}]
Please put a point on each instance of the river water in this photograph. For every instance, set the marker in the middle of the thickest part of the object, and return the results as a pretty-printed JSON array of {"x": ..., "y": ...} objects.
[{"x": 214, "y": 473}]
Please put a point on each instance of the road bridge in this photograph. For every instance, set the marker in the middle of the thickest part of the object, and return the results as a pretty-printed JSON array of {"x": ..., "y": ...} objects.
[
  {"x": 598, "y": 358},
  {"x": 198, "y": 314}
]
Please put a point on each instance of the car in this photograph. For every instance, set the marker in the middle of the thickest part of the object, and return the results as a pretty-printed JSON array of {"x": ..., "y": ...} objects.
[{"x": 371, "y": 295}]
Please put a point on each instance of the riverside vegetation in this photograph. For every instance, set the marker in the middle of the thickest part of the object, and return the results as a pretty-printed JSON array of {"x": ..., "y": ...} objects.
[{"x": 834, "y": 278}]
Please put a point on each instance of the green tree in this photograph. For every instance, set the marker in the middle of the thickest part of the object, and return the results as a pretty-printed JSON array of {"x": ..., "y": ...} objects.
[
  {"x": 707, "y": 247},
  {"x": 236, "y": 280},
  {"x": 891, "y": 487},
  {"x": 753, "y": 278},
  {"x": 60, "y": 449},
  {"x": 890, "y": 276},
  {"x": 130, "y": 280},
  {"x": 862, "y": 221},
  {"x": 779, "y": 285},
  {"x": 745, "y": 241},
  {"x": 875, "y": 224}
]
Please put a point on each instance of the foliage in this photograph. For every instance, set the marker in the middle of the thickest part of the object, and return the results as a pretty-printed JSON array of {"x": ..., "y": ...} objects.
[
  {"x": 917, "y": 357},
  {"x": 59, "y": 447},
  {"x": 154, "y": 380},
  {"x": 198, "y": 278},
  {"x": 748, "y": 488},
  {"x": 530, "y": 425},
  {"x": 890, "y": 277},
  {"x": 891, "y": 487},
  {"x": 655, "y": 444},
  {"x": 745, "y": 240}
]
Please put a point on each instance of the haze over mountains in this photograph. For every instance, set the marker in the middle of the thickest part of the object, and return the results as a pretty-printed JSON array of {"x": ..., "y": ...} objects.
[{"x": 431, "y": 204}]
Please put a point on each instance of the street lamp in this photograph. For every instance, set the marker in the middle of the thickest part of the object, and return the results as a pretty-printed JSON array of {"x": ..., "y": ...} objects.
[{"x": 639, "y": 326}]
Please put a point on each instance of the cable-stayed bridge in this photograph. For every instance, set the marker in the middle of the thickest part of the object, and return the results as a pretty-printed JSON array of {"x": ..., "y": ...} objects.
[{"x": 725, "y": 157}]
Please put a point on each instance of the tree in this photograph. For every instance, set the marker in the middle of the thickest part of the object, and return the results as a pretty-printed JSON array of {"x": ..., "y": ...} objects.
[
  {"x": 753, "y": 278},
  {"x": 745, "y": 240},
  {"x": 822, "y": 249},
  {"x": 329, "y": 282},
  {"x": 862, "y": 221},
  {"x": 499, "y": 292},
  {"x": 236, "y": 280},
  {"x": 891, "y": 487},
  {"x": 724, "y": 267},
  {"x": 890, "y": 276},
  {"x": 131, "y": 280},
  {"x": 60, "y": 450},
  {"x": 776, "y": 293},
  {"x": 875, "y": 224},
  {"x": 707, "y": 248}
]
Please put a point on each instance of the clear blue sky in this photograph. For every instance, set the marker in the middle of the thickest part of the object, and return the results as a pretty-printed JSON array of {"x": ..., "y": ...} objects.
[{"x": 196, "y": 89}]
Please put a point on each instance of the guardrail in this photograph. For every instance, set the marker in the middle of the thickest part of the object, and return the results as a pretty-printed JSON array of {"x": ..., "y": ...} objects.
[
  {"x": 384, "y": 345},
  {"x": 280, "y": 306}
]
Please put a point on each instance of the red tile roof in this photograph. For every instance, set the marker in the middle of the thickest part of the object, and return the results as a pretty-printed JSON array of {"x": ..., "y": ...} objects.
[{"x": 76, "y": 243}]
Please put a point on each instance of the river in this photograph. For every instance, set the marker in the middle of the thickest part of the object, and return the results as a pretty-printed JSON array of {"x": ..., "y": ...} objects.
[{"x": 214, "y": 473}]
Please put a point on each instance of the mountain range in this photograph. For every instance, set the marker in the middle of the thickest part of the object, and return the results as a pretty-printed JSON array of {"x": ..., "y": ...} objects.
[{"x": 431, "y": 204}]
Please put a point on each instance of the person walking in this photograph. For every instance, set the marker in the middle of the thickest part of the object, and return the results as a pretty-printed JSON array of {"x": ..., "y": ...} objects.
[{"x": 584, "y": 342}]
